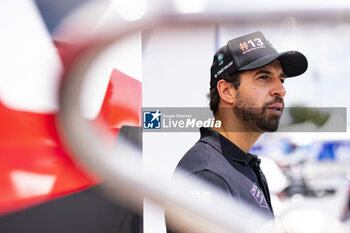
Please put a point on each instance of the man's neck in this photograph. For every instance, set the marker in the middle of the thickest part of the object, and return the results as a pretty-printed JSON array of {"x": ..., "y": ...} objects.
[
  {"x": 244, "y": 140},
  {"x": 237, "y": 133}
]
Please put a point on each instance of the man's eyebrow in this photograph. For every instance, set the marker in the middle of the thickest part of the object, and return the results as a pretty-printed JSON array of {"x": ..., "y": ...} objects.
[{"x": 282, "y": 75}]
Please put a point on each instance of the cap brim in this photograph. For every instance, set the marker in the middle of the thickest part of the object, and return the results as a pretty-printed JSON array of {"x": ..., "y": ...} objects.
[{"x": 293, "y": 63}]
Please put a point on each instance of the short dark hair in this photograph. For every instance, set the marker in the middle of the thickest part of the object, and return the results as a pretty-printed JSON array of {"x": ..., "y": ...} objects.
[{"x": 214, "y": 97}]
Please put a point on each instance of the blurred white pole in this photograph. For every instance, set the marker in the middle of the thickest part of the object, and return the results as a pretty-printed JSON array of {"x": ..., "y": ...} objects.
[{"x": 122, "y": 169}]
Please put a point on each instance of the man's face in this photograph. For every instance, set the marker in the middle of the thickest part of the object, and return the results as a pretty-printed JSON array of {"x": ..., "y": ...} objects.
[{"x": 259, "y": 98}]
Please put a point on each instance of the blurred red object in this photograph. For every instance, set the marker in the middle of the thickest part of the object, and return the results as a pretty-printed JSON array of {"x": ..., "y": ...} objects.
[{"x": 34, "y": 165}]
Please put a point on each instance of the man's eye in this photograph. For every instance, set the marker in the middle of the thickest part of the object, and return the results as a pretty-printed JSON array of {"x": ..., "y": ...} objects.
[
  {"x": 264, "y": 77},
  {"x": 282, "y": 80}
]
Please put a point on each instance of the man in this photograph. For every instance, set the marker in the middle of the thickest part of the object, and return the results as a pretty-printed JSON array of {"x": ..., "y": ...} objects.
[{"x": 246, "y": 95}]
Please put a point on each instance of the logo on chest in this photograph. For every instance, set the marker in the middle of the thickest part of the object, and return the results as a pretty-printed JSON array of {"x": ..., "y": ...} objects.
[{"x": 259, "y": 196}]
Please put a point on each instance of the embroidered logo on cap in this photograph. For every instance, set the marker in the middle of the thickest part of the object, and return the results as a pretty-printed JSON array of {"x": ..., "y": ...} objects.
[
  {"x": 250, "y": 45},
  {"x": 223, "y": 69},
  {"x": 220, "y": 57}
]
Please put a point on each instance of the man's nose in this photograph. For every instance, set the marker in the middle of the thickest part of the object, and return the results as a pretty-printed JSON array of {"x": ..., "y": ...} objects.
[{"x": 278, "y": 89}]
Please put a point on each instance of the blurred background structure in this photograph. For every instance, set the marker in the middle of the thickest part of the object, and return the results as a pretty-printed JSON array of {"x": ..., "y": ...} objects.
[{"x": 42, "y": 183}]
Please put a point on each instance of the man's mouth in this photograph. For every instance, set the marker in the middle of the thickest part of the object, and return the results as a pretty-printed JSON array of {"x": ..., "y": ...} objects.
[{"x": 276, "y": 108}]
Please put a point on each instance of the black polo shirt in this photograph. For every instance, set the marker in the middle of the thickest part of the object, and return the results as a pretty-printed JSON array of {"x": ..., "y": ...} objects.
[{"x": 217, "y": 160}]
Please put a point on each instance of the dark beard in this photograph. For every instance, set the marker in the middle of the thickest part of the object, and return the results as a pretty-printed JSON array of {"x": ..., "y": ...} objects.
[{"x": 255, "y": 118}]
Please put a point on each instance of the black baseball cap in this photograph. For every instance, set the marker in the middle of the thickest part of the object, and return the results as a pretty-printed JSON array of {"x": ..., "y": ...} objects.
[{"x": 250, "y": 52}]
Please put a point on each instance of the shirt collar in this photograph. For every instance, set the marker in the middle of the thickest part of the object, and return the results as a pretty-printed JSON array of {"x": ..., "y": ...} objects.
[{"x": 226, "y": 147}]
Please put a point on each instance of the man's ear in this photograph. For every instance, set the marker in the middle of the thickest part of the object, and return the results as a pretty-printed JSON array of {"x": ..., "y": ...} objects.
[{"x": 226, "y": 91}]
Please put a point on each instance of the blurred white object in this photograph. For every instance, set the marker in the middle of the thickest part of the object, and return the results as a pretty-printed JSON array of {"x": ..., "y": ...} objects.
[
  {"x": 276, "y": 179},
  {"x": 130, "y": 10},
  {"x": 124, "y": 172},
  {"x": 30, "y": 65},
  {"x": 193, "y": 6}
]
